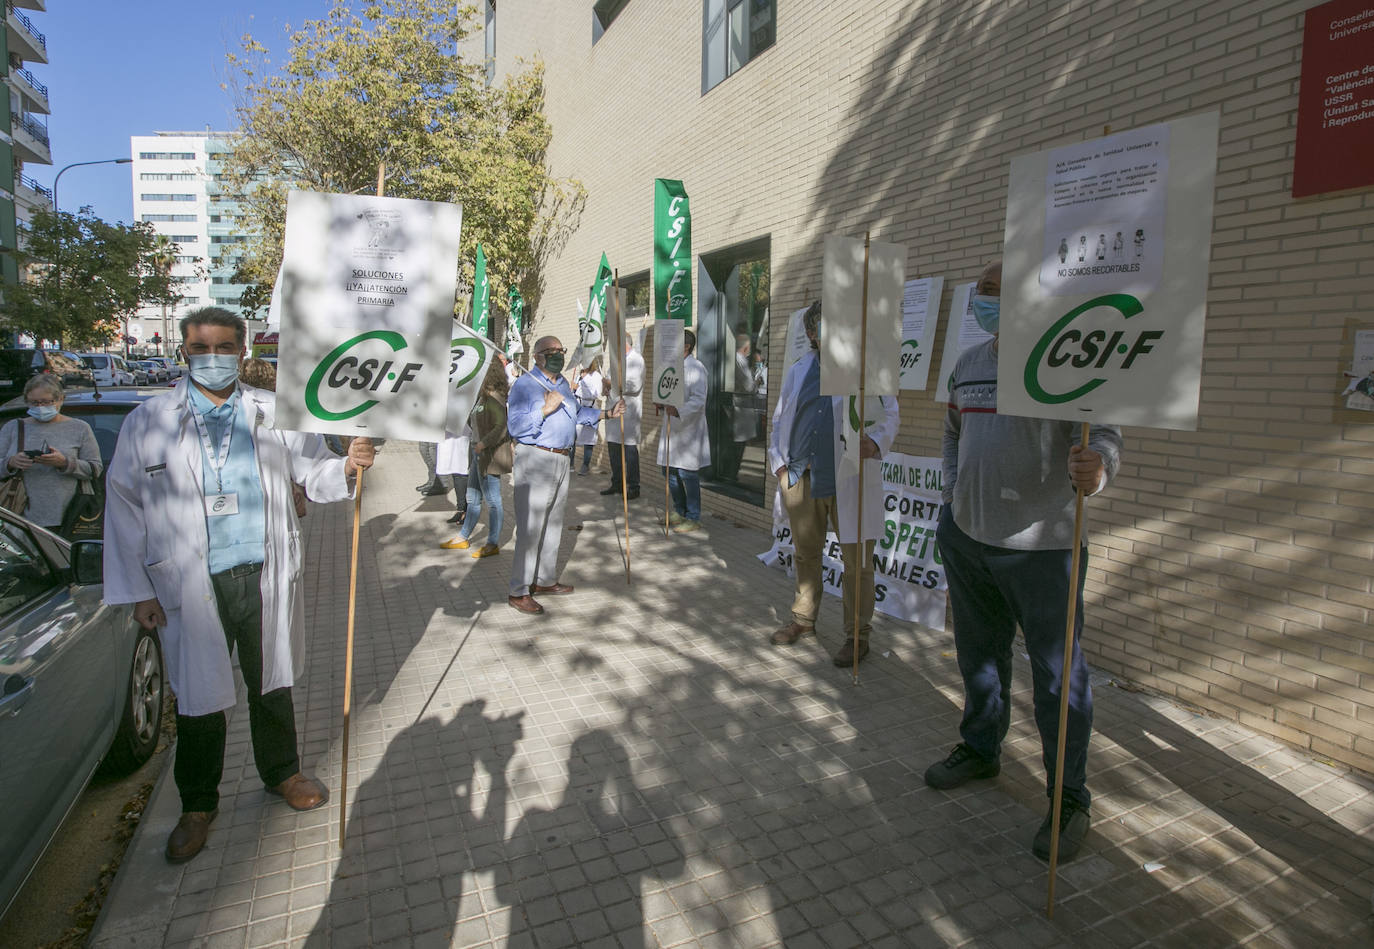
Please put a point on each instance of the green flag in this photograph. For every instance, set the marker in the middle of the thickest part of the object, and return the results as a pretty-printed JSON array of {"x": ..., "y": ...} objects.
[
  {"x": 515, "y": 345},
  {"x": 481, "y": 299},
  {"x": 592, "y": 327},
  {"x": 672, "y": 252}
]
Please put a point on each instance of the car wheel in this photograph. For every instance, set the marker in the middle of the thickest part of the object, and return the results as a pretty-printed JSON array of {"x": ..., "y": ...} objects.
[{"x": 141, "y": 722}]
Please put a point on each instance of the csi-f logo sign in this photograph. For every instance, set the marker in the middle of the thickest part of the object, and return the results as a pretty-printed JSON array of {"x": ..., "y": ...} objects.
[
  {"x": 464, "y": 361},
  {"x": 1099, "y": 349},
  {"x": 590, "y": 331},
  {"x": 677, "y": 233},
  {"x": 667, "y": 383},
  {"x": 364, "y": 363},
  {"x": 219, "y": 504}
]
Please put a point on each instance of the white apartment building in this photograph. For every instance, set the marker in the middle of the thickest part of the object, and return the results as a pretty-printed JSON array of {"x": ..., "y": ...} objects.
[{"x": 176, "y": 188}]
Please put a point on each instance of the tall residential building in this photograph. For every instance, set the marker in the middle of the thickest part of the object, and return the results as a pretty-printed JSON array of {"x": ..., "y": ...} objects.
[
  {"x": 177, "y": 188},
  {"x": 24, "y": 131}
]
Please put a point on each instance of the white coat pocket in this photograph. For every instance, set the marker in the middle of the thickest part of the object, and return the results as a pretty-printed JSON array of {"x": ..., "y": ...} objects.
[{"x": 166, "y": 577}]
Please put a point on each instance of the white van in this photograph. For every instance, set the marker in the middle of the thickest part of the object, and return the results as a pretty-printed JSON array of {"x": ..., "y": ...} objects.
[{"x": 109, "y": 369}]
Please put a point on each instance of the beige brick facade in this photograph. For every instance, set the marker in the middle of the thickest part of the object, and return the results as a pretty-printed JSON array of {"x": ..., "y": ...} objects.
[{"x": 1230, "y": 566}]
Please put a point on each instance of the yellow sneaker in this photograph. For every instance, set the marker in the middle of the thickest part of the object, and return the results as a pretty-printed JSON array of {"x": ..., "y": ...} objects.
[
  {"x": 486, "y": 550},
  {"x": 674, "y": 519},
  {"x": 687, "y": 526},
  {"x": 454, "y": 543}
]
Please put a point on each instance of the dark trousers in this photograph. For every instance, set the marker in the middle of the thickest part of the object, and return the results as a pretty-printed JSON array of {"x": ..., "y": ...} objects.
[
  {"x": 271, "y": 717},
  {"x": 460, "y": 486},
  {"x": 631, "y": 464},
  {"x": 429, "y": 453},
  {"x": 992, "y": 590}
]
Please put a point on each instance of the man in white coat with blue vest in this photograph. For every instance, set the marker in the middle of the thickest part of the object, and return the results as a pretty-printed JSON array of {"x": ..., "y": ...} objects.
[
  {"x": 201, "y": 535},
  {"x": 687, "y": 449},
  {"x": 804, "y": 451}
]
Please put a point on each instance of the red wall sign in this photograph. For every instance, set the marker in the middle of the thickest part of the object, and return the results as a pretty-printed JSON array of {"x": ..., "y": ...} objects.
[{"x": 1335, "y": 147}]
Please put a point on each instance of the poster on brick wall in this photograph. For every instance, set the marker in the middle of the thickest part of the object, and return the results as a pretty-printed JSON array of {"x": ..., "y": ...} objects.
[
  {"x": 920, "y": 303},
  {"x": 1115, "y": 340},
  {"x": 1335, "y": 140},
  {"x": 961, "y": 332}
]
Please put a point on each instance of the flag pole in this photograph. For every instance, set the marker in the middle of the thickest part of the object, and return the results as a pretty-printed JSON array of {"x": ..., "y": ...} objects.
[
  {"x": 859, "y": 532},
  {"x": 352, "y": 614},
  {"x": 624, "y": 481},
  {"x": 668, "y": 467},
  {"x": 1064, "y": 687}
]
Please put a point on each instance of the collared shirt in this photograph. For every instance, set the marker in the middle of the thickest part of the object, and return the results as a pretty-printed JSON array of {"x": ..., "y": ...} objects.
[
  {"x": 812, "y": 442},
  {"x": 234, "y": 538},
  {"x": 525, "y": 418}
]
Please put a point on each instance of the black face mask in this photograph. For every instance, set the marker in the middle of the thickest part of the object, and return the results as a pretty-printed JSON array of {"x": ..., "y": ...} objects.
[{"x": 553, "y": 363}]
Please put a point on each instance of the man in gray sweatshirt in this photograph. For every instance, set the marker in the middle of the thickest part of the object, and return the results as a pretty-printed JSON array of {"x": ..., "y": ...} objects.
[{"x": 1006, "y": 539}]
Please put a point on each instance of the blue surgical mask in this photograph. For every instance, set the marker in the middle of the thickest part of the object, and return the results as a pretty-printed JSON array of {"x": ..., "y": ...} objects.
[
  {"x": 987, "y": 311},
  {"x": 214, "y": 371},
  {"x": 43, "y": 413}
]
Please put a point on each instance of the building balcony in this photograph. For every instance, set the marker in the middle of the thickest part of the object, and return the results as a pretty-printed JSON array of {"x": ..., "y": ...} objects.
[
  {"x": 40, "y": 5},
  {"x": 31, "y": 193},
  {"x": 35, "y": 94},
  {"x": 30, "y": 140},
  {"x": 26, "y": 41}
]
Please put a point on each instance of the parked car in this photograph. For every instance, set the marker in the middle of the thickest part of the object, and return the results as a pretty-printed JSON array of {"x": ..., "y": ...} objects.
[
  {"x": 156, "y": 373},
  {"x": 109, "y": 369},
  {"x": 141, "y": 377},
  {"x": 18, "y": 365},
  {"x": 80, "y": 684},
  {"x": 172, "y": 367}
]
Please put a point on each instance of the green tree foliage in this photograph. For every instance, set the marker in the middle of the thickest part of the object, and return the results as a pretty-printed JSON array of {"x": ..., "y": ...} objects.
[
  {"x": 83, "y": 277},
  {"x": 387, "y": 86}
]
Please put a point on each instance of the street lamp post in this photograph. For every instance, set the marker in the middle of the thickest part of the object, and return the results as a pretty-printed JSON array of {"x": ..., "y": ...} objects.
[{"x": 78, "y": 164}]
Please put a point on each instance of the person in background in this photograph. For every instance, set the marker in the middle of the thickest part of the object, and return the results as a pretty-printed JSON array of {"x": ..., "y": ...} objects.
[
  {"x": 57, "y": 452},
  {"x": 688, "y": 447},
  {"x": 491, "y": 458},
  {"x": 626, "y": 428},
  {"x": 588, "y": 393},
  {"x": 434, "y": 485}
]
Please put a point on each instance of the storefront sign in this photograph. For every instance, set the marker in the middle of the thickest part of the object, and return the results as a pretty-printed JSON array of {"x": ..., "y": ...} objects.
[
  {"x": 1335, "y": 140},
  {"x": 672, "y": 252}
]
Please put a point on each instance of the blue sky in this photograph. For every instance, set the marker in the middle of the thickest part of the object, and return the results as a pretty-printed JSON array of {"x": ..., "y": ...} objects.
[{"x": 121, "y": 69}]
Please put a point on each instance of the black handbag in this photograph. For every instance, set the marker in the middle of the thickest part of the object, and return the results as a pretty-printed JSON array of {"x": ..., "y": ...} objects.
[
  {"x": 84, "y": 518},
  {"x": 14, "y": 495}
]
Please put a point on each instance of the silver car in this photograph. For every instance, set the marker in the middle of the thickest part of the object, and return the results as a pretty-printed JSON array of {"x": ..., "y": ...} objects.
[{"x": 80, "y": 684}]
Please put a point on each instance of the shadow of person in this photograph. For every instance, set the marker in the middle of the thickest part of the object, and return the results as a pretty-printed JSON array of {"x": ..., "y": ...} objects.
[
  {"x": 574, "y": 873},
  {"x": 434, "y": 809}
]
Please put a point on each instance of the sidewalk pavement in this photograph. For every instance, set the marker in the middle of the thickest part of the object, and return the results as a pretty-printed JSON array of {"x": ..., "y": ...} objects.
[{"x": 639, "y": 767}]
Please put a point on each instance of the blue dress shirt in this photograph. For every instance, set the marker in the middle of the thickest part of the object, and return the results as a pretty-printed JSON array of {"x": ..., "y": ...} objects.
[
  {"x": 234, "y": 538},
  {"x": 525, "y": 418}
]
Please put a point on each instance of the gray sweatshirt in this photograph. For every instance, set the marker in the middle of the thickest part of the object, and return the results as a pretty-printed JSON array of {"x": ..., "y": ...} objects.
[
  {"x": 51, "y": 489},
  {"x": 1006, "y": 475}
]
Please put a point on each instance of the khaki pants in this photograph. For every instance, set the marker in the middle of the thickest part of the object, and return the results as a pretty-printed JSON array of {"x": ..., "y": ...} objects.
[{"x": 810, "y": 517}]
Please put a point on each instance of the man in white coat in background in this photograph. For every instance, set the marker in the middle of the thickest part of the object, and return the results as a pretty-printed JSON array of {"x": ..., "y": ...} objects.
[
  {"x": 626, "y": 429},
  {"x": 201, "y": 535},
  {"x": 688, "y": 447},
  {"x": 804, "y": 452}
]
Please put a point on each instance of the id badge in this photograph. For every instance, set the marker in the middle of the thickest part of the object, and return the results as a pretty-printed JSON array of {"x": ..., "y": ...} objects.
[{"x": 221, "y": 505}]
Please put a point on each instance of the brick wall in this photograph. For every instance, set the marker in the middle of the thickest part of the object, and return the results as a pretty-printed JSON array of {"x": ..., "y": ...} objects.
[{"x": 1230, "y": 566}]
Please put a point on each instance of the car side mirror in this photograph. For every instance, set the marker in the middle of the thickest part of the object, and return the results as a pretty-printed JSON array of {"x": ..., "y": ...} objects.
[{"x": 88, "y": 562}]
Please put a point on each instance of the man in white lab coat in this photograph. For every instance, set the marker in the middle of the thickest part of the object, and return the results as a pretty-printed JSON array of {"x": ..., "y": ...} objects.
[
  {"x": 626, "y": 428},
  {"x": 804, "y": 451},
  {"x": 688, "y": 447},
  {"x": 201, "y": 535}
]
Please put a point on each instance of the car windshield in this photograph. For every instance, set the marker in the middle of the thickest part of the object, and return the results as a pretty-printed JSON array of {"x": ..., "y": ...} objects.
[{"x": 98, "y": 362}]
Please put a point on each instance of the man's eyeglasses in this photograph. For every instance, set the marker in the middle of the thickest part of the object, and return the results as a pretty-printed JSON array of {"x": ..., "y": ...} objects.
[
  {"x": 545, "y": 352},
  {"x": 40, "y": 403}
]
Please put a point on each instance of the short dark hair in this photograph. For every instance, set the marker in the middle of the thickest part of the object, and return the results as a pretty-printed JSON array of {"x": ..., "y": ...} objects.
[
  {"x": 214, "y": 316},
  {"x": 690, "y": 339}
]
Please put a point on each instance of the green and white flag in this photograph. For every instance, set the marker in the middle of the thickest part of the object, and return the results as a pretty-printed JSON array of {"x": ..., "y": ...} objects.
[
  {"x": 515, "y": 344},
  {"x": 873, "y": 414},
  {"x": 672, "y": 252},
  {"x": 470, "y": 355},
  {"x": 481, "y": 297},
  {"x": 592, "y": 327}
]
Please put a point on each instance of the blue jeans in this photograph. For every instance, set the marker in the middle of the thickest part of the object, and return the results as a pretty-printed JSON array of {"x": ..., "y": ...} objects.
[
  {"x": 992, "y": 590},
  {"x": 685, "y": 486},
  {"x": 484, "y": 488}
]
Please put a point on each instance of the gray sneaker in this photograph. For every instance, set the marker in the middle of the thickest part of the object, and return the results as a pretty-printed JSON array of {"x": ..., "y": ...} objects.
[
  {"x": 1073, "y": 827},
  {"x": 963, "y": 765}
]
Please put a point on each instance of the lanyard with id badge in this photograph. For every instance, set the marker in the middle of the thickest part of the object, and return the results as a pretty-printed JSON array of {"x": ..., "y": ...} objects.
[{"x": 221, "y": 503}]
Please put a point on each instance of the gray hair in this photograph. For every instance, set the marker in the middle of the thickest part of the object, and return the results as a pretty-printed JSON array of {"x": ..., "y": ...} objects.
[
  {"x": 214, "y": 316},
  {"x": 44, "y": 381},
  {"x": 811, "y": 319}
]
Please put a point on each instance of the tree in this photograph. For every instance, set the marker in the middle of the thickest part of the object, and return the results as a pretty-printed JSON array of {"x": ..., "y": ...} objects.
[
  {"x": 84, "y": 278},
  {"x": 387, "y": 86}
]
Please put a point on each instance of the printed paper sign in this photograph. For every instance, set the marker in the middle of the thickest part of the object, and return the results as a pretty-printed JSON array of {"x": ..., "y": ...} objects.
[
  {"x": 918, "y": 329},
  {"x": 961, "y": 332},
  {"x": 368, "y": 285},
  {"x": 668, "y": 386},
  {"x": 843, "y": 321},
  {"x": 798, "y": 345}
]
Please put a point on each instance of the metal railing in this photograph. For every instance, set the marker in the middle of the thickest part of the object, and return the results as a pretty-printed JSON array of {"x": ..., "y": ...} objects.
[
  {"x": 28, "y": 25},
  {"x": 29, "y": 183},
  {"x": 30, "y": 125},
  {"x": 32, "y": 80}
]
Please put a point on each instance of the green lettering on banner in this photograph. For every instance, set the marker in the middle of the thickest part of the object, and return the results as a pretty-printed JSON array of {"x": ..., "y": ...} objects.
[
  {"x": 323, "y": 376},
  {"x": 1051, "y": 342},
  {"x": 672, "y": 252},
  {"x": 481, "y": 296}
]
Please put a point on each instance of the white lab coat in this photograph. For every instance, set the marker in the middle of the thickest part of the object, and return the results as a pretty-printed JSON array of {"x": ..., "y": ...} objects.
[
  {"x": 689, "y": 441},
  {"x": 633, "y": 393},
  {"x": 157, "y": 542},
  {"x": 883, "y": 432},
  {"x": 588, "y": 393}
]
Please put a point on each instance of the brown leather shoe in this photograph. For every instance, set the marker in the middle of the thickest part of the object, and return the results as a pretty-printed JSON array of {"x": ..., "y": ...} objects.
[
  {"x": 790, "y": 634},
  {"x": 301, "y": 793},
  {"x": 845, "y": 657},
  {"x": 525, "y": 604},
  {"x": 557, "y": 588},
  {"x": 188, "y": 837}
]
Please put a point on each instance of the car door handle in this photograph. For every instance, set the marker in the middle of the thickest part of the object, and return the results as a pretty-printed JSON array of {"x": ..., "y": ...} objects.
[{"x": 18, "y": 690}]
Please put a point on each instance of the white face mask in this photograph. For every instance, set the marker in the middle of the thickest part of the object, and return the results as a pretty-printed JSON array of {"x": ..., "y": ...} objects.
[
  {"x": 214, "y": 371},
  {"x": 43, "y": 413}
]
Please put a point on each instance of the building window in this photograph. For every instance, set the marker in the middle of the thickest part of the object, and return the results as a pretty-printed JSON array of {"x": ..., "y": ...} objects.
[
  {"x": 489, "y": 33},
  {"x": 164, "y": 218},
  {"x": 185, "y": 239},
  {"x": 184, "y": 258},
  {"x": 227, "y": 239},
  {"x": 168, "y": 197},
  {"x": 733, "y": 33},
  {"x": 167, "y": 156},
  {"x": 603, "y": 12},
  {"x": 168, "y": 176}
]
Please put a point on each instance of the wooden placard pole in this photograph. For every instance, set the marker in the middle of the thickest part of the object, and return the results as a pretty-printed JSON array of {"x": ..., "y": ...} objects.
[
  {"x": 624, "y": 358},
  {"x": 352, "y": 614},
  {"x": 1065, "y": 686},
  {"x": 667, "y": 468},
  {"x": 859, "y": 531}
]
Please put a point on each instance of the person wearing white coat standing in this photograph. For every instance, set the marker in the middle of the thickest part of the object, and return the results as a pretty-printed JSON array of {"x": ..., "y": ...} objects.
[
  {"x": 689, "y": 443},
  {"x": 804, "y": 451},
  {"x": 201, "y": 535}
]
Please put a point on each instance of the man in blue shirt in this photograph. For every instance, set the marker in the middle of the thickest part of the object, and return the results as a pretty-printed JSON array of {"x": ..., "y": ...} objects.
[{"x": 541, "y": 415}]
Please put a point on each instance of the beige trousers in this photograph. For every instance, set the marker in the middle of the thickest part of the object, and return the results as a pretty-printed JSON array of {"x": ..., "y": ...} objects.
[{"x": 810, "y": 517}]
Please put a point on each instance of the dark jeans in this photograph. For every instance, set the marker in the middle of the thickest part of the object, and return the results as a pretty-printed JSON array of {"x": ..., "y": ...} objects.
[
  {"x": 460, "y": 488},
  {"x": 685, "y": 485},
  {"x": 631, "y": 464},
  {"x": 429, "y": 453},
  {"x": 992, "y": 590},
  {"x": 271, "y": 718}
]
